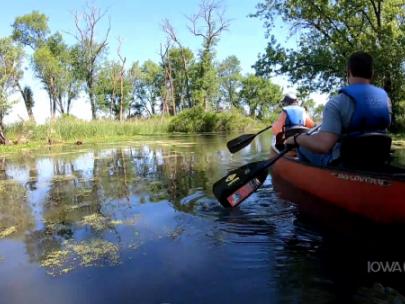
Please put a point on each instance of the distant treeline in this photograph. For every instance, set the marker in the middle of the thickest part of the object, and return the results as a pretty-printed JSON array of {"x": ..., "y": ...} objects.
[{"x": 120, "y": 90}]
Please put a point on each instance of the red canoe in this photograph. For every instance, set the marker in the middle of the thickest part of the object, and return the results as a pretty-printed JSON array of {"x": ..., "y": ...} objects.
[{"x": 374, "y": 195}]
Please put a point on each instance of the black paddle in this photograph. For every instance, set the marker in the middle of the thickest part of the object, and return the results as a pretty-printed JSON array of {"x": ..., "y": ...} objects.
[
  {"x": 240, "y": 183},
  {"x": 242, "y": 141}
]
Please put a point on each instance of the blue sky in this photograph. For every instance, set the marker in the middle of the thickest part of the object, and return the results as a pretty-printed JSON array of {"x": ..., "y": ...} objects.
[{"x": 138, "y": 24}]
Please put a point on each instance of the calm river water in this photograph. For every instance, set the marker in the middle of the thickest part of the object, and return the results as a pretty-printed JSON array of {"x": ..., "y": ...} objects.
[{"x": 136, "y": 222}]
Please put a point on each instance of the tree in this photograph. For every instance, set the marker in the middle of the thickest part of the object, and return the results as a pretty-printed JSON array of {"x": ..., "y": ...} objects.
[
  {"x": 112, "y": 89},
  {"x": 167, "y": 91},
  {"x": 209, "y": 23},
  {"x": 10, "y": 73},
  {"x": 230, "y": 79},
  {"x": 54, "y": 65},
  {"x": 31, "y": 29},
  {"x": 29, "y": 101},
  {"x": 181, "y": 78},
  {"x": 187, "y": 57},
  {"x": 147, "y": 84},
  {"x": 91, "y": 50},
  {"x": 260, "y": 95},
  {"x": 328, "y": 32}
]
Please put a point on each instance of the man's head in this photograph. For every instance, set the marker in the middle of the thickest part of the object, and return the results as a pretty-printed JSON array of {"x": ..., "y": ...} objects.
[
  {"x": 360, "y": 65},
  {"x": 289, "y": 99}
]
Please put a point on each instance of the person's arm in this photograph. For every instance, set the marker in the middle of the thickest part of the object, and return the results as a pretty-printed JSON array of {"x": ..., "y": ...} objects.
[
  {"x": 279, "y": 124},
  {"x": 321, "y": 142},
  {"x": 309, "y": 123}
]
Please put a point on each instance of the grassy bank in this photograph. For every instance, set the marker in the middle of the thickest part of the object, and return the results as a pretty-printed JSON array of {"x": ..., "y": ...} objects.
[{"x": 69, "y": 130}]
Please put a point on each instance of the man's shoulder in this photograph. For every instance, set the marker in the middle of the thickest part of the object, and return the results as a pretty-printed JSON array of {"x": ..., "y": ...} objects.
[{"x": 339, "y": 100}]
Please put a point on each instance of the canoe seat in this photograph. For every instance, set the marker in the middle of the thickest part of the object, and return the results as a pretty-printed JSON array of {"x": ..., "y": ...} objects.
[
  {"x": 291, "y": 131},
  {"x": 365, "y": 150},
  {"x": 288, "y": 132}
]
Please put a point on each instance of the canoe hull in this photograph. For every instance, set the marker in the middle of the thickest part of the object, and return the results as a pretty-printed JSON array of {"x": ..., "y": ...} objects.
[{"x": 378, "y": 198}]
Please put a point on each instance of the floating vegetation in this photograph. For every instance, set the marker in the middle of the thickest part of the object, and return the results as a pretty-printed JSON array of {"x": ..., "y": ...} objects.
[
  {"x": 81, "y": 254},
  {"x": 96, "y": 251},
  {"x": 95, "y": 221},
  {"x": 6, "y": 184},
  {"x": 176, "y": 233},
  {"x": 7, "y": 232},
  {"x": 63, "y": 178},
  {"x": 55, "y": 259},
  {"x": 99, "y": 222},
  {"x": 117, "y": 222},
  {"x": 84, "y": 192}
]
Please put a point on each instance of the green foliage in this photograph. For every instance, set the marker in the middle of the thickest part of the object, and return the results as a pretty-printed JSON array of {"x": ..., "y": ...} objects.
[
  {"x": 197, "y": 120},
  {"x": 260, "y": 95},
  {"x": 328, "y": 32},
  {"x": 229, "y": 72},
  {"x": 205, "y": 82},
  {"x": 181, "y": 62},
  {"x": 31, "y": 29},
  {"x": 108, "y": 89},
  {"x": 10, "y": 72},
  {"x": 54, "y": 64},
  {"x": 29, "y": 97},
  {"x": 147, "y": 83}
]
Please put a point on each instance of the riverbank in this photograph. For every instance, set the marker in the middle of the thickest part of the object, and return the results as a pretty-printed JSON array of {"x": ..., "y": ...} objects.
[{"x": 69, "y": 130}]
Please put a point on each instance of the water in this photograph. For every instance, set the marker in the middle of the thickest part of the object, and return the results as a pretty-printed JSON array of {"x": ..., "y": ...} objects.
[{"x": 137, "y": 223}]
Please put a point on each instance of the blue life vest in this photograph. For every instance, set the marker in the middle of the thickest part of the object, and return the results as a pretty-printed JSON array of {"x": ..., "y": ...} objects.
[
  {"x": 371, "y": 111},
  {"x": 295, "y": 116}
]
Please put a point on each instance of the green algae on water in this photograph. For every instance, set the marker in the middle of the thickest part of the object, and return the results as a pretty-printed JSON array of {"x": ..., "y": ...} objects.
[
  {"x": 95, "y": 221},
  {"x": 7, "y": 232},
  {"x": 73, "y": 255}
]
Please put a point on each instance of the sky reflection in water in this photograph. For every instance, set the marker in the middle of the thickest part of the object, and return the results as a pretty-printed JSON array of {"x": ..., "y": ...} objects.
[{"x": 137, "y": 223}]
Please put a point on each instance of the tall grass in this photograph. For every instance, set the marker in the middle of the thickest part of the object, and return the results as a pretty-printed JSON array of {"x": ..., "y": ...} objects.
[{"x": 72, "y": 129}]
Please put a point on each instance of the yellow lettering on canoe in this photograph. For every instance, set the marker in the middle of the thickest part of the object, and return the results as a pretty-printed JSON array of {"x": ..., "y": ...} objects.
[{"x": 362, "y": 179}]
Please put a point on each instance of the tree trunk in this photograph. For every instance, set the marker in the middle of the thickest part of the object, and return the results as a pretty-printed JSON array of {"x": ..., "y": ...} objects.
[
  {"x": 93, "y": 106},
  {"x": 92, "y": 97},
  {"x": 3, "y": 139},
  {"x": 69, "y": 102},
  {"x": 122, "y": 99}
]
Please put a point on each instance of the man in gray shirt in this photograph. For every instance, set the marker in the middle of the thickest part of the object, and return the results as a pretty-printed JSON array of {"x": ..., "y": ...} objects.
[{"x": 358, "y": 107}]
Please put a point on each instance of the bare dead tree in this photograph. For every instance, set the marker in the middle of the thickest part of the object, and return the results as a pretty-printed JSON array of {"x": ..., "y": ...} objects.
[
  {"x": 86, "y": 23},
  {"x": 209, "y": 23},
  {"x": 121, "y": 77},
  {"x": 171, "y": 33},
  {"x": 168, "y": 94}
]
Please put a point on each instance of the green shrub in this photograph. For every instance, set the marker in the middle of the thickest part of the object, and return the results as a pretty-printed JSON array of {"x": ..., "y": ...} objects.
[{"x": 196, "y": 120}]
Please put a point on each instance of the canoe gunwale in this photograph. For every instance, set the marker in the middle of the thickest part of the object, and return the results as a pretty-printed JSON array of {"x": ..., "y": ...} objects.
[{"x": 382, "y": 175}]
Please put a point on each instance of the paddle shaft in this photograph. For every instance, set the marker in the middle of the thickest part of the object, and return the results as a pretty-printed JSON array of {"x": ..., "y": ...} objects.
[
  {"x": 242, "y": 141},
  {"x": 265, "y": 129}
]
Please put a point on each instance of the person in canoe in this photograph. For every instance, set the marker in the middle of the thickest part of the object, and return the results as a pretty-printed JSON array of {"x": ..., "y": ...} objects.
[
  {"x": 292, "y": 116},
  {"x": 359, "y": 108}
]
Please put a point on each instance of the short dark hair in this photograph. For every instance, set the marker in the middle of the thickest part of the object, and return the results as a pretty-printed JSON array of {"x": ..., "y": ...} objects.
[{"x": 360, "y": 64}]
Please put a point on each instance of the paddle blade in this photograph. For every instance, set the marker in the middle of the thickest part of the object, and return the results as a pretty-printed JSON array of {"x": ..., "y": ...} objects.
[
  {"x": 240, "y": 183},
  {"x": 240, "y": 142}
]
